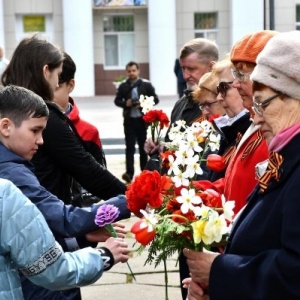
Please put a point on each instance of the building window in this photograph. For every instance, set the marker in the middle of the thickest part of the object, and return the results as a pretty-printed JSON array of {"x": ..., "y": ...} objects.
[
  {"x": 119, "y": 40},
  {"x": 297, "y": 17},
  {"x": 206, "y": 25},
  {"x": 29, "y": 24}
]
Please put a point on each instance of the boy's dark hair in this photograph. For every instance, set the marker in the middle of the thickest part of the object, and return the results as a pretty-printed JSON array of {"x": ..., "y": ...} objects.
[
  {"x": 26, "y": 65},
  {"x": 19, "y": 104},
  {"x": 133, "y": 63},
  {"x": 68, "y": 70}
]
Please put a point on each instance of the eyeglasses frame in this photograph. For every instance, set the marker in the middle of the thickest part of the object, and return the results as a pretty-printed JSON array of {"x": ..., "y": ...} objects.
[
  {"x": 257, "y": 107},
  {"x": 201, "y": 106},
  {"x": 240, "y": 76}
]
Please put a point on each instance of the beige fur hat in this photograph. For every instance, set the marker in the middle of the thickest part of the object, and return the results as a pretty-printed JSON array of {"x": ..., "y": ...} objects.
[{"x": 209, "y": 81}]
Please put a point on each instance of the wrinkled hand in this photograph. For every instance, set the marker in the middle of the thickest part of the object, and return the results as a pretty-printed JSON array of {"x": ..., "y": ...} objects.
[
  {"x": 102, "y": 234},
  {"x": 119, "y": 249},
  {"x": 150, "y": 147},
  {"x": 186, "y": 282},
  {"x": 195, "y": 291},
  {"x": 200, "y": 264}
]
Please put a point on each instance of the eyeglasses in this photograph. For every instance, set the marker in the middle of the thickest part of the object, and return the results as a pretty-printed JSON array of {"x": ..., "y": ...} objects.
[
  {"x": 207, "y": 105},
  {"x": 223, "y": 87},
  {"x": 258, "y": 107},
  {"x": 240, "y": 76}
]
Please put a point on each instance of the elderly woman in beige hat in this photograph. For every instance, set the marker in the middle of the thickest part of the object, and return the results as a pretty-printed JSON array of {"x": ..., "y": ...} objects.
[
  {"x": 262, "y": 259},
  {"x": 206, "y": 95}
]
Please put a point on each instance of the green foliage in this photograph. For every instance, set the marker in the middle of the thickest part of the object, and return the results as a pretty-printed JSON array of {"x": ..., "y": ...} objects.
[
  {"x": 119, "y": 78},
  {"x": 167, "y": 241}
]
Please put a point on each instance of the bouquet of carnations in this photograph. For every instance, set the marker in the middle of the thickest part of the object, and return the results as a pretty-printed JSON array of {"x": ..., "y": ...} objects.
[{"x": 179, "y": 211}]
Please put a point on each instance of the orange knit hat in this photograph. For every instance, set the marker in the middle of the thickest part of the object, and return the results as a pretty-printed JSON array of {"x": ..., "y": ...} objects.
[{"x": 248, "y": 47}]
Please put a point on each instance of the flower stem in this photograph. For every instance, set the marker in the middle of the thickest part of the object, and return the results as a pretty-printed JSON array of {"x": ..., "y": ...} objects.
[
  {"x": 166, "y": 279},
  {"x": 113, "y": 233}
]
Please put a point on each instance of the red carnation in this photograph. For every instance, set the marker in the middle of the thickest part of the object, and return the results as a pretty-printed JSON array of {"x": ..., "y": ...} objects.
[{"x": 145, "y": 189}]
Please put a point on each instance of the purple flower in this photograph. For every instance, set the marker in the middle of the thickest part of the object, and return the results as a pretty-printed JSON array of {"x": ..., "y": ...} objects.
[{"x": 106, "y": 214}]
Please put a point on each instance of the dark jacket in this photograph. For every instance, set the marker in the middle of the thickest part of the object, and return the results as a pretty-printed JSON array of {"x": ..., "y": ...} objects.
[
  {"x": 178, "y": 71},
  {"x": 64, "y": 220},
  {"x": 262, "y": 259},
  {"x": 63, "y": 157},
  {"x": 144, "y": 87}
]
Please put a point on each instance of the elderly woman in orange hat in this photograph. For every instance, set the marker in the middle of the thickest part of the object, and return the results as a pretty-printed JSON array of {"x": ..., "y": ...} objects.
[{"x": 262, "y": 258}]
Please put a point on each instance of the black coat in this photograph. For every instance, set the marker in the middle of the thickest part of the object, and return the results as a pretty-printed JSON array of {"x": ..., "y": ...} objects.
[
  {"x": 63, "y": 157},
  {"x": 144, "y": 87},
  {"x": 262, "y": 259}
]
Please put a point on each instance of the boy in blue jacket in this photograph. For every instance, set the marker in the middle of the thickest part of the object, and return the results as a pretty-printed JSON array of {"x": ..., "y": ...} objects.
[
  {"x": 27, "y": 244},
  {"x": 23, "y": 117}
]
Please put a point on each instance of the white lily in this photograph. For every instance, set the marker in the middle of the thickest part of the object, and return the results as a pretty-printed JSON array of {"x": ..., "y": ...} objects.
[{"x": 187, "y": 199}]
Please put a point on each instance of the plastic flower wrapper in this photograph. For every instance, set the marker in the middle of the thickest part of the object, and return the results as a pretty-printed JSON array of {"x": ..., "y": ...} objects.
[
  {"x": 157, "y": 119},
  {"x": 105, "y": 216}
]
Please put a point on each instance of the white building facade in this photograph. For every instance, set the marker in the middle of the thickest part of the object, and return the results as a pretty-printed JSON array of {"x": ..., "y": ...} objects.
[{"x": 103, "y": 35}]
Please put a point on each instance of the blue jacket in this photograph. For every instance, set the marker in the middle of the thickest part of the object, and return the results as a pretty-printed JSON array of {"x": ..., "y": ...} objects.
[
  {"x": 262, "y": 259},
  {"x": 27, "y": 244},
  {"x": 65, "y": 221}
]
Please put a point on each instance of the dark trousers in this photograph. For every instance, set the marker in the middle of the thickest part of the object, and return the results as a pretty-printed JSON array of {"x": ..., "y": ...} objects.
[{"x": 135, "y": 130}]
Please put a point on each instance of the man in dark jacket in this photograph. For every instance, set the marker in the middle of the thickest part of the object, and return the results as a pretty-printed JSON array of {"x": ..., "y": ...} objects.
[{"x": 135, "y": 128}]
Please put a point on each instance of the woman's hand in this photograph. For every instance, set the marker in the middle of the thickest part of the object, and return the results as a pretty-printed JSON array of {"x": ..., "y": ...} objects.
[
  {"x": 195, "y": 291},
  {"x": 200, "y": 264},
  {"x": 151, "y": 147}
]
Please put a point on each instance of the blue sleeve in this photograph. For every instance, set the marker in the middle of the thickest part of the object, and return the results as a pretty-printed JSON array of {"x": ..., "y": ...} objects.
[
  {"x": 64, "y": 220},
  {"x": 28, "y": 241}
]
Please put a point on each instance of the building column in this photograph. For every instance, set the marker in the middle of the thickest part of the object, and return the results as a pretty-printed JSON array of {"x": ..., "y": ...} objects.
[
  {"x": 242, "y": 20},
  {"x": 78, "y": 43},
  {"x": 162, "y": 45},
  {"x": 2, "y": 32}
]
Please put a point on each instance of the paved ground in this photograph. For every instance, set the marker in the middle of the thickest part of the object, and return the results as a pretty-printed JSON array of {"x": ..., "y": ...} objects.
[{"x": 115, "y": 284}]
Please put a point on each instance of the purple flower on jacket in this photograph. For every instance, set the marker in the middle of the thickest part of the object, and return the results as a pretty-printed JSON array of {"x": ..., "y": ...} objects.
[{"x": 106, "y": 214}]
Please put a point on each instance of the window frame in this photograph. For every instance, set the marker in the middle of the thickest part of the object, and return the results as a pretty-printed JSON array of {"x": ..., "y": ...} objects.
[
  {"x": 118, "y": 34},
  {"x": 297, "y": 22},
  {"x": 206, "y": 31}
]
